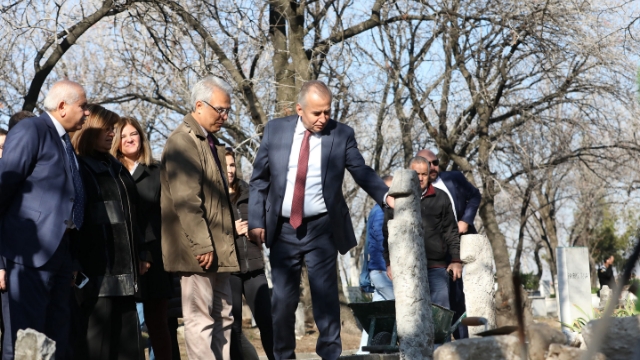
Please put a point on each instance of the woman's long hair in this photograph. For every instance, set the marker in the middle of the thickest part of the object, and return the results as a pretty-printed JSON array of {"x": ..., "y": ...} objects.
[
  {"x": 235, "y": 185},
  {"x": 84, "y": 140},
  {"x": 144, "y": 152}
]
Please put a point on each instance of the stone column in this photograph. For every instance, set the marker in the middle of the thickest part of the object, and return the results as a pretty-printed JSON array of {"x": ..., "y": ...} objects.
[
  {"x": 574, "y": 283},
  {"x": 409, "y": 269},
  {"x": 477, "y": 256}
]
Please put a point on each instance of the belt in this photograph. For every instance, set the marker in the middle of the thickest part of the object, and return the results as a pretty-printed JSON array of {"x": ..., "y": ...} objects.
[{"x": 306, "y": 219}]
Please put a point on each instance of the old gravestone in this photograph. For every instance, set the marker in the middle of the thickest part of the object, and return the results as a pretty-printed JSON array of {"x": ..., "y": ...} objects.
[
  {"x": 409, "y": 269},
  {"x": 574, "y": 284},
  {"x": 477, "y": 256}
]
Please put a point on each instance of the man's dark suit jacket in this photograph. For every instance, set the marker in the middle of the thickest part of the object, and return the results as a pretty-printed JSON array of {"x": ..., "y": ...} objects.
[
  {"x": 466, "y": 198},
  {"x": 36, "y": 192},
  {"x": 339, "y": 152}
]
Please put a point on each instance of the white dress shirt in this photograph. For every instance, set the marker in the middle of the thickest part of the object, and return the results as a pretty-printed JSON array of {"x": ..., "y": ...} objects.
[
  {"x": 61, "y": 131},
  {"x": 313, "y": 197},
  {"x": 440, "y": 185}
]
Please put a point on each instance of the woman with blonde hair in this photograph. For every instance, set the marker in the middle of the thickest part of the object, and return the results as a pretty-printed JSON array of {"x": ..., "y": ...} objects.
[
  {"x": 132, "y": 148},
  {"x": 110, "y": 247}
]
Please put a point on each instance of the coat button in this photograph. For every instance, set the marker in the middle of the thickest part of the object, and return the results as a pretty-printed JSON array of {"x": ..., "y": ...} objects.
[
  {"x": 71, "y": 199},
  {"x": 227, "y": 232}
]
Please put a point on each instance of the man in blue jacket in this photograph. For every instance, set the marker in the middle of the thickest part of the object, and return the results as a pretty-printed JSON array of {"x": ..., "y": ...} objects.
[
  {"x": 376, "y": 264},
  {"x": 465, "y": 199},
  {"x": 41, "y": 205}
]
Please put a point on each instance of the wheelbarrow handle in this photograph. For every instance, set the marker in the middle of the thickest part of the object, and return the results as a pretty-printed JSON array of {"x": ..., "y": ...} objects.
[{"x": 474, "y": 321}]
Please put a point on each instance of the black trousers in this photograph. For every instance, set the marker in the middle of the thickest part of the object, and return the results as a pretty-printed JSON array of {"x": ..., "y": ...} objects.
[
  {"x": 312, "y": 243},
  {"x": 255, "y": 288},
  {"x": 111, "y": 329}
]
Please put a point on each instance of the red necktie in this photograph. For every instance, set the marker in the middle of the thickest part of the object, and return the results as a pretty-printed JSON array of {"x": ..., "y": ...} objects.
[{"x": 297, "y": 206}]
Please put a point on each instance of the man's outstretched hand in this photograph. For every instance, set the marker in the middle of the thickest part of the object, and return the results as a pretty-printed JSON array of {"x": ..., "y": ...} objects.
[
  {"x": 390, "y": 201},
  {"x": 256, "y": 236}
]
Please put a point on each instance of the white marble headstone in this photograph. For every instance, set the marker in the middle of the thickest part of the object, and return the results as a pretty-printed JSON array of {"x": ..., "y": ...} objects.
[{"x": 574, "y": 284}]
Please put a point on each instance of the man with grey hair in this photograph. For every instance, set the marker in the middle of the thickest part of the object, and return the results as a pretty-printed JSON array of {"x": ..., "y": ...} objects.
[
  {"x": 197, "y": 223},
  {"x": 440, "y": 235},
  {"x": 297, "y": 207},
  {"x": 465, "y": 199},
  {"x": 41, "y": 207}
]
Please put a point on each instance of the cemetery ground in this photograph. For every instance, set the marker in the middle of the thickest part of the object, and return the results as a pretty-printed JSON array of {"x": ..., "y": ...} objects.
[{"x": 305, "y": 345}]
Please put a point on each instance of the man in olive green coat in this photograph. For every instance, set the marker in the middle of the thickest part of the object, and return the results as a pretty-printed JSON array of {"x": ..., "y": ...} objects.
[{"x": 197, "y": 221}]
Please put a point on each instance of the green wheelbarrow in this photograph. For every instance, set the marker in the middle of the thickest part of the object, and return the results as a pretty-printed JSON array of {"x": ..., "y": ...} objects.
[{"x": 379, "y": 319}]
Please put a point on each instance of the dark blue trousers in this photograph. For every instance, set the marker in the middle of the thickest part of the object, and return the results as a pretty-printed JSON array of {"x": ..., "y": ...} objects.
[
  {"x": 457, "y": 300},
  {"x": 38, "y": 298},
  {"x": 312, "y": 243}
]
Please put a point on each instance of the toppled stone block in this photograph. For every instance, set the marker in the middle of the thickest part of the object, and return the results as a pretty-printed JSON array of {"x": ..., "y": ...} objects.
[
  {"x": 540, "y": 336},
  {"x": 33, "y": 345},
  {"x": 621, "y": 338},
  {"x": 504, "y": 347},
  {"x": 564, "y": 352}
]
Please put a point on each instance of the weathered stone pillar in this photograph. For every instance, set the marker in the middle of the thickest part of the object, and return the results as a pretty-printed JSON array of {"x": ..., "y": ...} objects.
[
  {"x": 477, "y": 257},
  {"x": 409, "y": 269}
]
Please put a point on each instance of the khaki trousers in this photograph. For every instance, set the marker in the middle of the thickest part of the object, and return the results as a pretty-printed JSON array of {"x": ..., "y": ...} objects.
[{"x": 206, "y": 309}]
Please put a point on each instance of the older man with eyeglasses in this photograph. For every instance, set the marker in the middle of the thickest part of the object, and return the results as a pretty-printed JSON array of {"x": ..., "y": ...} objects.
[
  {"x": 465, "y": 199},
  {"x": 197, "y": 222}
]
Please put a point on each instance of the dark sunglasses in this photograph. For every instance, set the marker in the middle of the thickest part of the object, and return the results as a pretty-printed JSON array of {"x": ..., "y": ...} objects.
[{"x": 435, "y": 162}]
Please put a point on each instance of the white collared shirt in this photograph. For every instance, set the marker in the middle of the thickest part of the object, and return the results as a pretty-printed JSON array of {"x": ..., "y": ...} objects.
[
  {"x": 133, "y": 169},
  {"x": 313, "y": 196},
  {"x": 61, "y": 131},
  {"x": 440, "y": 185}
]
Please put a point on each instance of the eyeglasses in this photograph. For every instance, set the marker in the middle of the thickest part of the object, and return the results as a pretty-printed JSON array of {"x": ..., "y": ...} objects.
[
  {"x": 435, "y": 162},
  {"x": 220, "y": 111}
]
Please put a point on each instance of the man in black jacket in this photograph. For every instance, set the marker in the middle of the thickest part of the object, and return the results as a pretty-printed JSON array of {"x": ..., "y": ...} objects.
[{"x": 440, "y": 235}]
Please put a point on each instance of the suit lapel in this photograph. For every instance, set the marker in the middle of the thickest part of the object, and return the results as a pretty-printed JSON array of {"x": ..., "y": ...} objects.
[
  {"x": 138, "y": 172},
  {"x": 451, "y": 186},
  {"x": 58, "y": 142},
  {"x": 327, "y": 145},
  {"x": 286, "y": 143}
]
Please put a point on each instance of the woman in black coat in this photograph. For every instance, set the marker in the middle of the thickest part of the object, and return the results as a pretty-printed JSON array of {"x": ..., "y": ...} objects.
[
  {"x": 132, "y": 148},
  {"x": 251, "y": 280},
  {"x": 109, "y": 247}
]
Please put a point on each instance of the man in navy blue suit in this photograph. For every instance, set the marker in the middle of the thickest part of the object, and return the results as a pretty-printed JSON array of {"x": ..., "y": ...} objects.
[
  {"x": 465, "y": 199},
  {"x": 41, "y": 204},
  {"x": 297, "y": 207}
]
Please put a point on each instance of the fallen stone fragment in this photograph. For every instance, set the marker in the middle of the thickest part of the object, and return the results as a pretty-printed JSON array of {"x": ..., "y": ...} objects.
[
  {"x": 32, "y": 345},
  {"x": 621, "y": 338},
  {"x": 564, "y": 352},
  {"x": 504, "y": 347},
  {"x": 540, "y": 336}
]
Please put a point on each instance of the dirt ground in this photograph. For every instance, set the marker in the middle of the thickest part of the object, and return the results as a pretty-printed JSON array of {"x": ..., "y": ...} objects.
[{"x": 307, "y": 344}]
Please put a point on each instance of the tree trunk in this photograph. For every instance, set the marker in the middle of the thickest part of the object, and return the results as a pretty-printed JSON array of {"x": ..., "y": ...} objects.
[{"x": 505, "y": 303}]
